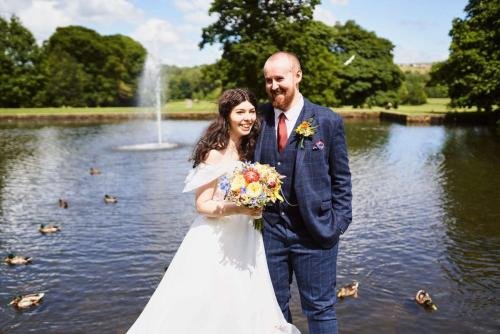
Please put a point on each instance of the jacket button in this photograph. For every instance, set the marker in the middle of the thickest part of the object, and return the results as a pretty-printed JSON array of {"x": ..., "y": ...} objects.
[{"x": 279, "y": 163}]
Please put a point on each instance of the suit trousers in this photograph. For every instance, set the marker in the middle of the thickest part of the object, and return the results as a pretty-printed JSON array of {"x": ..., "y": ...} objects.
[{"x": 289, "y": 252}]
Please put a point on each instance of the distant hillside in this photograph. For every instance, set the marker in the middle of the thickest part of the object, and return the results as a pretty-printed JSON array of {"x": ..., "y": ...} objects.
[{"x": 422, "y": 68}]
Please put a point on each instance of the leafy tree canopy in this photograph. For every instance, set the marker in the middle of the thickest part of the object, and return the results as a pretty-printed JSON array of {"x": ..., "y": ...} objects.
[
  {"x": 372, "y": 70},
  {"x": 472, "y": 71},
  {"x": 191, "y": 83},
  {"x": 250, "y": 31},
  {"x": 94, "y": 70},
  {"x": 18, "y": 64}
]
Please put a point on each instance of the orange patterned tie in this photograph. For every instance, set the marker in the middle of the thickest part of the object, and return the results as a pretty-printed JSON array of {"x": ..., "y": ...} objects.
[{"x": 282, "y": 135}]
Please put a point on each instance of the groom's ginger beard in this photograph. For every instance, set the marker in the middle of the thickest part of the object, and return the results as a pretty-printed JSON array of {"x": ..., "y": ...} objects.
[{"x": 282, "y": 98}]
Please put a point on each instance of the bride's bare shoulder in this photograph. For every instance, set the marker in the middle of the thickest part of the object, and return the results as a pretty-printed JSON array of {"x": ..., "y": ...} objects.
[{"x": 213, "y": 157}]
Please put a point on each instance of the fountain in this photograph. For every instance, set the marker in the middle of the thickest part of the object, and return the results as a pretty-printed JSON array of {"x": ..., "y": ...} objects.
[{"x": 150, "y": 95}]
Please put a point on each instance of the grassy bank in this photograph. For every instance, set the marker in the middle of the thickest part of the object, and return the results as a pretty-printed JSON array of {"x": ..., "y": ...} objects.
[
  {"x": 433, "y": 106},
  {"x": 170, "y": 107},
  {"x": 435, "y": 111}
]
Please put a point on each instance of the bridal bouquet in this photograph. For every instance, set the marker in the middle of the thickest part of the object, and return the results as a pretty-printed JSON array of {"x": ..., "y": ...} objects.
[{"x": 253, "y": 185}]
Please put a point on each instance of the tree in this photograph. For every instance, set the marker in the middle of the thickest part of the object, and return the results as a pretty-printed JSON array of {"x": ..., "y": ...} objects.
[
  {"x": 124, "y": 67},
  {"x": 372, "y": 72},
  {"x": 65, "y": 81},
  {"x": 250, "y": 31},
  {"x": 472, "y": 71},
  {"x": 19, "y": 54},
  {"x": 191, "y": 83},
  {"x": 105, "y": 69},
  {"x": 414, "y": 85}
]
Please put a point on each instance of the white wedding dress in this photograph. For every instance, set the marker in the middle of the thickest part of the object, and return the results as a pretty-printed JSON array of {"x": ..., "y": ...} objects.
[{"x": 218, "y": 281}]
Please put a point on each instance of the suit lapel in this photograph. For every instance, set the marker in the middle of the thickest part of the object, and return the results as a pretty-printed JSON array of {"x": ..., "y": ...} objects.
[{"x": 307, "y": 113}]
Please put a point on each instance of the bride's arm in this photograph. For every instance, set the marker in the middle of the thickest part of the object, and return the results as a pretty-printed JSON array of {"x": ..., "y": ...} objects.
[{"x": 207, "y": 206}]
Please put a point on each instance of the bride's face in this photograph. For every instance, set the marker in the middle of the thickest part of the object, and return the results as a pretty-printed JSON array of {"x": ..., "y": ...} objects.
[{"x": 242, "y": 118}]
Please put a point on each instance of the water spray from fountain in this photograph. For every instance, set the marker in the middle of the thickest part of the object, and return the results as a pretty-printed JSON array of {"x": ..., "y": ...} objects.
[{"x": 150, "y": 95}]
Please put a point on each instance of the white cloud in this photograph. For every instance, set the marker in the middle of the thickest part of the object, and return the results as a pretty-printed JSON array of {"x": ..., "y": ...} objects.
[
  {"x": 155, "y": 31},
  {"x": 324, "y": 15},
  {"x": 34, "y": 17},
  {"x": 174, "y": 41},
  {"x": 9, "y": 7},
  {"x": 407, "y": 55},
  {"x": 42, "y": 17},
  {"x": 195, "y": 13},
  {"x": 193, "y": 5},
  {"x": 173, "y": 44},
  {"x": 104, "y": 11},
  {"x": 340, "y": 2},
  {"x": 199, "y": 18}
]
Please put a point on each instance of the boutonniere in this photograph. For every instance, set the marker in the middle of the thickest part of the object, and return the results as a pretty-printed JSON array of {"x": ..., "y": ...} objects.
[{"x": 305, "y": 130}]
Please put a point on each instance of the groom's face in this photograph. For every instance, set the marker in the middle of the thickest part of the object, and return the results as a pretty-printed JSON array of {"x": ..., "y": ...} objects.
[{"x": 282, "y": 82}]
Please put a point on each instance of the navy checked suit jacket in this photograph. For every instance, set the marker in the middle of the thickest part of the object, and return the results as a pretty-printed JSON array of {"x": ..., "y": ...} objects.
[{"x": 322, "y": 179}]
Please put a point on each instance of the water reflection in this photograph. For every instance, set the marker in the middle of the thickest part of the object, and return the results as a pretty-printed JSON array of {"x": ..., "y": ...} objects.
[
  {"x": 425, "y": 216},
  {"x": 472, "y": 254}
]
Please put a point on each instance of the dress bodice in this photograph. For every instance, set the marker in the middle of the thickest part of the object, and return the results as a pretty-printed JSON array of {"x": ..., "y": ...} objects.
[{"x": 205, "y": 173}]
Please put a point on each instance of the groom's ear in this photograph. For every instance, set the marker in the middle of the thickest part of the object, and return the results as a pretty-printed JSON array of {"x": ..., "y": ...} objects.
[{"x": 298, "y": 76}]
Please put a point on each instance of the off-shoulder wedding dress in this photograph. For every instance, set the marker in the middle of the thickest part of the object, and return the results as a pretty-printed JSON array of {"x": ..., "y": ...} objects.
[{"x": 218, "y": 281}]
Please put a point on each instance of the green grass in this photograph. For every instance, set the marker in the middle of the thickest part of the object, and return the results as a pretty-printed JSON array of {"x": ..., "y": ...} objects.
[
  {"x": 197, "y": 106},
  {"x": 433, "y": 106},
  {"x": 173, "y": 107}
]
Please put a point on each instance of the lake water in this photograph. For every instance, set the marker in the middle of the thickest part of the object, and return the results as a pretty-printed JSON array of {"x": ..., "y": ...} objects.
[{"x": 426, "y": 216}]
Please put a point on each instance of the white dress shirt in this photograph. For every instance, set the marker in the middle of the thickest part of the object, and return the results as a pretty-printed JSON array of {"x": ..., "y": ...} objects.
[{"x": 291, "y": 116}]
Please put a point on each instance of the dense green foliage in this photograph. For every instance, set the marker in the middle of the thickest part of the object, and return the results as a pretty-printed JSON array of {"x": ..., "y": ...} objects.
[
  {"x": 19, "y": 54},
  {"x": 75, "y": 67},
  {"x": 190, "y": 83},
  {"x": 250, "y": 31},
  {"x": 412, "y": 91},
  {"x": 372, "y": 72},
  {"x": 78, "y": 67},
  {"x": 83, "y": 68},
  {"x": 472, "y": 71}
]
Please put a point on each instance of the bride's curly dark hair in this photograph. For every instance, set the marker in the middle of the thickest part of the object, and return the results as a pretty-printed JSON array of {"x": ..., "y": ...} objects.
[{"x": 216, "y": 136}]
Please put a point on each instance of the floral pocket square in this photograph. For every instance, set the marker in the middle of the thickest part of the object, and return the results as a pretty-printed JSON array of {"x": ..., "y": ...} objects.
[{"x": 319, "y": 145}]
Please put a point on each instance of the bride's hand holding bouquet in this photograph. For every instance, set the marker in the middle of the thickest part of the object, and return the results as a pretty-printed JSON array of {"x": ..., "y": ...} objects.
[{"x": 253, "y": 186}]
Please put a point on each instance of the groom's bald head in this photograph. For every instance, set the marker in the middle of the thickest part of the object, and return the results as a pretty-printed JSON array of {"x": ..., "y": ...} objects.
[{"x": 284, "y": 56}]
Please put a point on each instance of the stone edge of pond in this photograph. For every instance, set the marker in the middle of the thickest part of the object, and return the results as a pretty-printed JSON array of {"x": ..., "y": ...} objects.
[{"x": 472, "y": 118}]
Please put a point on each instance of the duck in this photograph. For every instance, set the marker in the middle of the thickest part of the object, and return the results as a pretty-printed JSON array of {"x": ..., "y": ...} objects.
[
  {"x": 48, "y": 228},
  {"x": 17, "y": 259},
  {"x": 424, "y": 299},
  {"x": 348, "y": 290},
  {"x": 27, "y": 300},
  {"x": 63, "y": 204},
  {"x": 110, "y": 199},
  {"x": 94, "y": 171}
]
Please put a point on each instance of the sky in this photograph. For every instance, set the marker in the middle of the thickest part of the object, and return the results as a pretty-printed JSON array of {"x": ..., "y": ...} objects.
[{"x": 171, "y": 29}]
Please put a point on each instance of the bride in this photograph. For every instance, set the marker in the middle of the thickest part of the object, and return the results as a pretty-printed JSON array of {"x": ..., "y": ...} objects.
[{"x": 218, "y": 281}]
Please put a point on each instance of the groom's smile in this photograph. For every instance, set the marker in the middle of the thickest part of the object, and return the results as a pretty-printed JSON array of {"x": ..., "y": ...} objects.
[{"x": 282, "y": 82}]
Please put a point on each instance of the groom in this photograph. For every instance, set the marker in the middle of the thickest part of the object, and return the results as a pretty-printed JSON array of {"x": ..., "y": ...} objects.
[{"x": 301, "y": 233}]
